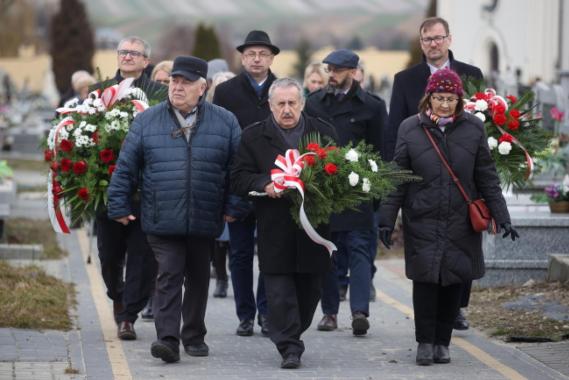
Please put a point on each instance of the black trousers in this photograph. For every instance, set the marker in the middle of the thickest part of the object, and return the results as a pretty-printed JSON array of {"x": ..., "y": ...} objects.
[
  {"x": 465, "y": 293},
  {"x": 436, "y": 308},
  {"x": 291, "y": 300},
  {"x": 119, "y": 245},
  {"x": 182, "y": 260}
]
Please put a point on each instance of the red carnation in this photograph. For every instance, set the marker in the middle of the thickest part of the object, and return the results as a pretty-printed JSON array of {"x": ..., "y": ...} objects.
[
  {"x": 515, "y": 113},
  {"x": 83, "y": 193},
  {"x": 47, "y": 155},
  {"x": 107, "y": 155},
  {"x": 513, "y": 125},
  {"x": 330, "y": 168},
  {"x": 65, "y": 164},
  {"x": 112, "y": 169},
  {"x": 499, "y": 108},
  {"x": 66, "y": 145},
  {"x": 80, "y": 167},
  {"x": 312, "y": 147},
  {"x": 322, "y": 153},
  {"x": 512, "y": 98},
  {"x": 310, "y": 160},
  {"x": 480, "y": 96},
  {"x": 506, "y": 137},
  {"x": 54, "y": 166},
  {"x": 499, "y": 118}
]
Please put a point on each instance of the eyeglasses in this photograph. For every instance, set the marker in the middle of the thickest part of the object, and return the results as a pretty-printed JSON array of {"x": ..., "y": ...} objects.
[
  {"x": 442, "y": 99},
  {"x": 253, "y": 55},
  {"x": 133, "y": 53},
  {"x": 334, "y": 69},
  {"x": 437, "y": 39}
]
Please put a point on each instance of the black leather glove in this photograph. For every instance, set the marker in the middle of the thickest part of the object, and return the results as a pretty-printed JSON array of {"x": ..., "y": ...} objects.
[
  {"x": 385, "y": 236},
  {"x": 509, "y": 230}
]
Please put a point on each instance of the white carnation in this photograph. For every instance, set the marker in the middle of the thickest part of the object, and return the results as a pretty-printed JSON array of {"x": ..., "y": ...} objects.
[
  {"x": 366, "y": 185},
  {"x": 481, "y": 105},
  {"x": 354, "y": 178},
  {"x": 504, "y": 148},
  {"x": 481, "y": 116},
  {"x": 492, "y": 142},
  {"x": 373, "y": 165},
  {"x": 97, "y": 103},
  {"x": 90, "y": 128},
  {"x": 352, "y": 155}
]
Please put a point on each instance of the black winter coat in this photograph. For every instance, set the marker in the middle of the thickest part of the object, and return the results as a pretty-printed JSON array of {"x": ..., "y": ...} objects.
[
  {"x": 440, "y": 244},
  {"x": 408, "y": 89},
  {"x": 359, "y": 116},
  {"x": 284, "y": 247}
]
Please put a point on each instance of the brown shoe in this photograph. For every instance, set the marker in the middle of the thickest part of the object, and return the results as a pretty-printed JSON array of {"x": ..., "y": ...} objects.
[
  {"x": 126, "y": 331},
  {"x": 328, "y": 323}
]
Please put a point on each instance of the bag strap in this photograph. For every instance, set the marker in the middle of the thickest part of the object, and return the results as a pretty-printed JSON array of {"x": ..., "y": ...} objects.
[{"x": 445, "y": 163}]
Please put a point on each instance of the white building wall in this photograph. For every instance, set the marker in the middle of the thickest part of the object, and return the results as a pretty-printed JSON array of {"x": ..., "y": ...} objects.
[{"x": 526, "y": 33}]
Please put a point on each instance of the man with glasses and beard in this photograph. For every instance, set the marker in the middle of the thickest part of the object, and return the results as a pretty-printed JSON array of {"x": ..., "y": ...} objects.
[
  {"x": 356, "y": 116},
  {"x": 408, "y": 89}
]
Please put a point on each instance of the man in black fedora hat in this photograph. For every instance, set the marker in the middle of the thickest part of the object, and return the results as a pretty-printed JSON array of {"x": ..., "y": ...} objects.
[
  {"x": 246, "y": 96},
  {"x": 178, "y": 153}
]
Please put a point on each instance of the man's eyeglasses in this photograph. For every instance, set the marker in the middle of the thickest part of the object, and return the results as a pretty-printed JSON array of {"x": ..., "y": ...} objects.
[
  {"x": 133, "y": 53},
  {"x": 429, "y": 40},
  {"x": 442, "y": 99},
  {"x": 253, "y": 55},
  {"x": 334, "y": 69}
]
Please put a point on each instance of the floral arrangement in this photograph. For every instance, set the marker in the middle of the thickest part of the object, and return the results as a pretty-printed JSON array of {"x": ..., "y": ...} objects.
[
  {"x": 337, "y": 178},
  {"x": 514, "y": 133},
  {"x": 82, "y": 149},
  {"x": 558, "y": 192}
]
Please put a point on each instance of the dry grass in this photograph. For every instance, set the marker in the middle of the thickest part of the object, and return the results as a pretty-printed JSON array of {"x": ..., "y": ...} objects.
[
  {"x": 487, "y": 312},
  {"x": 31, "y": 299},
  {"x": 32, "y": 231}
]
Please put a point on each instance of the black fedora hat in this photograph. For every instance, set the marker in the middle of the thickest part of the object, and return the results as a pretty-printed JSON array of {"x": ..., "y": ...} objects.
[{"x": 258, "y": 38}]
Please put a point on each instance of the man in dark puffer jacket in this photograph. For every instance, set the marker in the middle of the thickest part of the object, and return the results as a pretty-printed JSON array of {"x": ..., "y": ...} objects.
[{"x": 180, "y": 150}]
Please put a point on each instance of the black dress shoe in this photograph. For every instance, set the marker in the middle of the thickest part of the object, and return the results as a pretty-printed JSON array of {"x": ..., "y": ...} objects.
[
  {"x": 200, "y": 349},
  {"x": 126, "y": 331},
  {"x": 441, "y": 354},
  {"x": 424, "y": 354},
  {"x": 291, "y": 361},
  {"x": 460, "y": 323},
  {"x": 220, "y": 289},
  {"x": 245, "y": 327},
  {"x": 360, "y": 324},
  {"x": 164, "y": 351},
  {"x": 264, "y": 323},
  {"x": 147, "y": 314}
]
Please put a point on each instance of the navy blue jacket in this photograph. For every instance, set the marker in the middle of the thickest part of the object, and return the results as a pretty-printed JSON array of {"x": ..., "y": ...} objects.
[
  {"x": 408, "y": 89},
  {"x": 184, "y": 186}
]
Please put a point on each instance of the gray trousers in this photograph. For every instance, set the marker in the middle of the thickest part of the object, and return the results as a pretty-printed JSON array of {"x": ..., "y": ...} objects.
[{"x": 182, "y": 260}]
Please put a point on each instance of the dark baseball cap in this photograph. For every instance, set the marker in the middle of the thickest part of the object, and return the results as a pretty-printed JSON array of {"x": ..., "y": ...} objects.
[{"x": 191, "y": 68}]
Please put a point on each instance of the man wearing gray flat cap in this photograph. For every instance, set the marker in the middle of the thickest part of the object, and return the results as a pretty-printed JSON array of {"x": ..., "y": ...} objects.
[
  {"x": 178, "y": 154},
  {"x": 356, "y": 116}
]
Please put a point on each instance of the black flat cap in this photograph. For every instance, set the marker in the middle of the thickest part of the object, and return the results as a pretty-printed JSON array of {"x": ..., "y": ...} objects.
[
  {"x": 258, "y": 38},
  {"x": 191, "y": 68},
  {"x": 343, "y": 58}
]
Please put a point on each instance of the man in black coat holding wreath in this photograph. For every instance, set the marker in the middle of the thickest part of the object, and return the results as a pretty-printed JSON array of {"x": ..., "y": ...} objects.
[{"x": 291, "y": 263}]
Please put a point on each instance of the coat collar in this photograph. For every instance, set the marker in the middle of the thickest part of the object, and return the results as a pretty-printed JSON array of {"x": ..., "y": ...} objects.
[{"x": 244, "y": 79}]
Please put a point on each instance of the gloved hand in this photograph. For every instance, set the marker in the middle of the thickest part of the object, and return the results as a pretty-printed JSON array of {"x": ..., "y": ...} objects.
[
  {"x": 509, "y": 230},
  {"x": 385, "y": 236}
]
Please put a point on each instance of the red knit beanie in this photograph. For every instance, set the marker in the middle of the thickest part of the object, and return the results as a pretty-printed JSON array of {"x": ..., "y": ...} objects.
[{"x": 445, "y": 80}]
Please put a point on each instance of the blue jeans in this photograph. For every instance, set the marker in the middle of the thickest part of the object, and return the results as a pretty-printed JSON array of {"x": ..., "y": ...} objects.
[
  {"x": 241, "y": 252},
  {"x": 356, "y": 246}
]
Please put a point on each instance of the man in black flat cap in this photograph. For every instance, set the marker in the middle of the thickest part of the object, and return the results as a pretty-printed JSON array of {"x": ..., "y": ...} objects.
[
  {"x": 356, "y": 115},
  {"x": 178, "y": 153},
  {"x": 247, "y": 97}
]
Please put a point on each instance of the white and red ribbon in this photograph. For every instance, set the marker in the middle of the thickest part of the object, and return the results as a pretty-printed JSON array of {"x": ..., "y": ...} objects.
[{"x": 288, "y": 177}]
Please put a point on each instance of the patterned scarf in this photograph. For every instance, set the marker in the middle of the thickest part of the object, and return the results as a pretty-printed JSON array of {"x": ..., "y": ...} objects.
[{"x": 440, "y": 121}]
